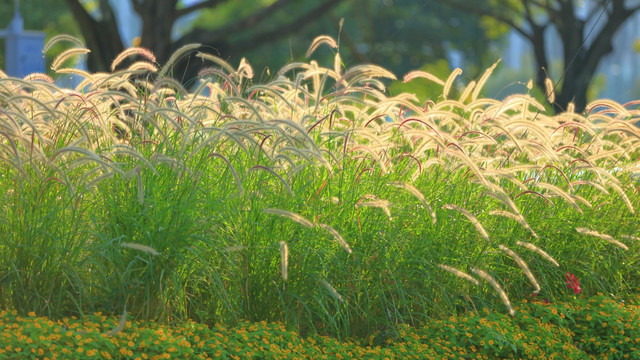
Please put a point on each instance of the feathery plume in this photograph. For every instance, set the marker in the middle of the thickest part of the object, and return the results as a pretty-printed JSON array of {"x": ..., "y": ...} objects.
[
  {"x": 138, "y": 51},
  {"x": 284, "y": 260},
  {"x": 606, "y": 237},
  {"x": 497, "y": 288},
  {"x": 66, "y": 55},
  {"x": 319, "y": 40},
  {"x": 140, "y": 247},
  {"x": 337, "y": 236},
  {"x": 544, "y": 254},
  {"x": 332, "y": 291},
  {"x": 471, "y": 217},
  {"x": 523, "y": 265},
  {"x": 459, "y": 273},
  {"x": 290, "y": 215},
  {"x": 58, "y": 38},
  {"x": 551, "y": 95}
]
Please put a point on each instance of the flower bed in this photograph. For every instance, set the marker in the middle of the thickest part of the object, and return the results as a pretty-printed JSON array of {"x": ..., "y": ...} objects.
[{"x": 598, "y": 327}]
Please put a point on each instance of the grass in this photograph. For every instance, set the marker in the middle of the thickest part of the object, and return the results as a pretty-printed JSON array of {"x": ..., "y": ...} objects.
[{"x": 313, "y": 200}]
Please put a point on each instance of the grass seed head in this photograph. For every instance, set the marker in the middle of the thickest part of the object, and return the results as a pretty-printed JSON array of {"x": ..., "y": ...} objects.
[
  {"x": 336, "y": 235},
  {"x": 290, "y": 215},
  {"x": 459, "y": 273},
  {"x": 284, "y": 260},
  {"x": 332, "y": 291},
  {"x": 606, "y": 237},
  {"x": 497, "y": 288},
  {"x": 140, "y": 247},
  {"x": 471, "y": 217},
  {"x": 544, "y": 254},
  {"x": 523, "y": 265}
]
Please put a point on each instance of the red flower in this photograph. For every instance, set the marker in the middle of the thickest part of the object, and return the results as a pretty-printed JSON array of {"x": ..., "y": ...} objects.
[{"x": 573, "y": 283}]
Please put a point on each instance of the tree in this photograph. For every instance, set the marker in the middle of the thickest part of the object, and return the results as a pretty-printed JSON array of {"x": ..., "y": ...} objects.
[
  {"x": 400, "y": 35},
  {"x": 404, "y": 35},
  {"x": 581, "y": 55},
  {"x": 100, "y": 29}
]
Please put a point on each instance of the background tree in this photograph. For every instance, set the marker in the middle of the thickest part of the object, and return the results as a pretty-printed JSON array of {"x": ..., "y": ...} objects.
[
  {"x": 586, "y": 38},
  {"x": 100, "y": 29},
  {"x": 400, "y": 35},
  {"x": 404, "y": 35}
]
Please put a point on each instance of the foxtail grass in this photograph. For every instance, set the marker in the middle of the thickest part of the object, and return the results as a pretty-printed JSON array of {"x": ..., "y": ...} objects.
[{"x": 335, "y": 209}]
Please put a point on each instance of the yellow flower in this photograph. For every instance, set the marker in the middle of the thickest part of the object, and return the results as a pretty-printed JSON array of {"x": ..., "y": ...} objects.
[{"x": 32, "y": 314}]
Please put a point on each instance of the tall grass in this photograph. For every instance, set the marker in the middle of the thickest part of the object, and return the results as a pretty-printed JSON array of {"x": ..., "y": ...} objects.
[{"x": 315, "y": 198}]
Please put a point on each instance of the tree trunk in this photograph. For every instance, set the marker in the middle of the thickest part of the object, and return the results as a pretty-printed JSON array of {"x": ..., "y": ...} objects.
[
  {"x": 580, "y": 61},
  {"x": 540, "y": 54},
  {"x": 158, "y": 18},
  {"x": 101, "y": 36}
]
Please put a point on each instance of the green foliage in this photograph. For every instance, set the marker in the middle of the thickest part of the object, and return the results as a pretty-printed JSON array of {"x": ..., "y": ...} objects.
[
  {"x": 401, "y": 34},
  {"x": 227, "y": 12},
  {"x": 495, "y": 29}
]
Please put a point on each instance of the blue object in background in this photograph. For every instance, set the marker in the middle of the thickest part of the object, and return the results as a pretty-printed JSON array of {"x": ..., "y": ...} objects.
[{"x": 23, "y": 48}]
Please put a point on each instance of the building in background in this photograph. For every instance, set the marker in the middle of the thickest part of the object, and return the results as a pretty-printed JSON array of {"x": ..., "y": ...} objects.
[{"x": 23, "y": 49}]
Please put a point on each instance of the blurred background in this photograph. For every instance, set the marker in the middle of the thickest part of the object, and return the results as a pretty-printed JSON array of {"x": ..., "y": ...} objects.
[{"x": 589, "y": 48}]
